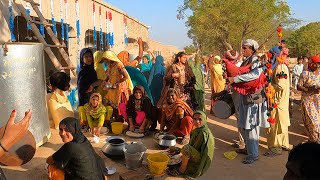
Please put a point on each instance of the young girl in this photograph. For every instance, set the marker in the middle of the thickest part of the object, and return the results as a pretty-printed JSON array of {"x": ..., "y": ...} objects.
[{"x": 95, "y": 113}]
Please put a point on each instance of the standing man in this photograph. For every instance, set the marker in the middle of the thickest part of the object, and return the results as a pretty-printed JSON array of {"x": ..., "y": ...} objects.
[
  {"x": 277, "y": 134},
  {"x": 252, "y": 107},
  {"x": 297, "y": 70}
]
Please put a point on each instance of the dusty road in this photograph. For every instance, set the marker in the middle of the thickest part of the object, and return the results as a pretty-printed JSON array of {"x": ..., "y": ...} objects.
[{"x": 221, "y": 168}]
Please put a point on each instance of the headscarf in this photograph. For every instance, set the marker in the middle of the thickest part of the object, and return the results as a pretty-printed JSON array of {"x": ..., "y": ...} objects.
[
  {"x": 113, "y": 57},
  {"x": 170, "y": 109},
  {"x": 74, "y": 127},
  {"x": 204, "y": 135},
  {"x": 98, "y": 66},
  {"x": 315, "y": 59},
  {"x": 97, "y": 111},
  {"x": 197, "y": 71},
  {"x": 139, "y": 79},
  {"x": 251, "y": 42},
  {"x": 146, "y": 67},
  {"x": 86, "y": 77},
  {"x": 155, "y": 81},
  {"x": 139, "y": 87},
  {"x": 124, "y": 57}
]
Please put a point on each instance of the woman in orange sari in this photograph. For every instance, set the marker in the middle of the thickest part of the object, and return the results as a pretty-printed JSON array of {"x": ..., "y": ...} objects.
[
  {"x": 118, "y": 83},
  {"x": 125, "y": 59},
  {"x": 177, "y": 116}
]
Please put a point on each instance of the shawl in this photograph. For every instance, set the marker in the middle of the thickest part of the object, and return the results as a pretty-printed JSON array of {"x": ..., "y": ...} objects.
[
  {"x": 74, "y": 127},
  {"x": 197, "y": 71},
  {"x": 98, "y": 65},
  {"x": 112, "y": 57},
  {"x": 202, "y": 140},
  {"x": 170, "y": 109},
  {"x": 155, "y": 81},
  {"x": 139, "y": 79},
  {"x": 146, "y": 67},
  {"x": 97, "y": 111},
  {"x": 146, "y": 105},
  {"x": 86, "y": 77}
]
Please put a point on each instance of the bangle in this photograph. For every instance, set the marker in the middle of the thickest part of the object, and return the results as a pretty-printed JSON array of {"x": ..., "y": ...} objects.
[{"x": 5, "y": 150}]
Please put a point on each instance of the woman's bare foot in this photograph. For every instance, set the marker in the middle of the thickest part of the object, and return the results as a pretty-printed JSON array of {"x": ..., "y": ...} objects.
[{"x": 131, "y": 128}]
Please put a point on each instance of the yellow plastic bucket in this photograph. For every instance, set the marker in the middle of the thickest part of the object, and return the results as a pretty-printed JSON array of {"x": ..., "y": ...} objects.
[
  {"x": 157, "y": 163},
  {"x": 117, "y": 127}
]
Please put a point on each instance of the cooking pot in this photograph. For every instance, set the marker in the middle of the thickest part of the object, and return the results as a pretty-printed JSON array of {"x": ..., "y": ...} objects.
[
  {"x": 114, "y": 147},
  {"x": 167, "y": 140}
]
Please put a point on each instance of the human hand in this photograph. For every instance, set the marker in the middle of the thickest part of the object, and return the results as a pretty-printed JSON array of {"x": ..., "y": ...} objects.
[
  {"x": 231, "y": 80},
  {"x": 115, "y": 85},
  {"x": 140, "y": 41},
  {"x": 13, "y": 132},
  {"x": 90, "y": 89}
]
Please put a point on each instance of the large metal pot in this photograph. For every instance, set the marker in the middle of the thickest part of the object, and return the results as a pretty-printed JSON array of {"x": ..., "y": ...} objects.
[
  {"x": 114, "y": 147},
  {"x": 167, "y": 140}
]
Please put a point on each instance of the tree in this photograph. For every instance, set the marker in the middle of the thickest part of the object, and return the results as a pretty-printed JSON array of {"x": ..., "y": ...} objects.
[
  {"x": 305, "y": 41},
  {"x": 214, "y": 24},
  {"x": 190, "y": 49}
]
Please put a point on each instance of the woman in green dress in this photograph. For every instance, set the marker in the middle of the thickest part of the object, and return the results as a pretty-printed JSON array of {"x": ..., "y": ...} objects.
[{"x": 198, "y": 154}]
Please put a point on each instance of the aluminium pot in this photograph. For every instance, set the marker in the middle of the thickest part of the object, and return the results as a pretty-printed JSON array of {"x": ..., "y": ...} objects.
[
  {"x": 114, "y": 147},
  {"x": 167, "y": 140}
]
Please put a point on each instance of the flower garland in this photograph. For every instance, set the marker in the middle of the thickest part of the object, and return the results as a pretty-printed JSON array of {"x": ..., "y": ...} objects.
[
  {"x": 54, "y": 27},
  {"x": 61, "y": 18},
  {"x": 11, "y": 21},
  {"x": 41, "y": 20},
  {"x": 110, "y": 34},
  {"x": 78, "y": 21},
  {"x": 107, "y": 29},
  {"x": 125, "y": 24},
  {"x": 101, "y": 33},
  {"x": 66, "y": 18},
  {"x": 94, "y": 27}
]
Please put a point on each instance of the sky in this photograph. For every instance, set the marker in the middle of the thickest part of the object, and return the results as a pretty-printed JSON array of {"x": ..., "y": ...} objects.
[{"x": 161, "y": 15}]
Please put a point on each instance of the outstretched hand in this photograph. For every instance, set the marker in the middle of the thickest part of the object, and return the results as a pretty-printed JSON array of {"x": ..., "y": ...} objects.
[{"x": 13, "y": 132}]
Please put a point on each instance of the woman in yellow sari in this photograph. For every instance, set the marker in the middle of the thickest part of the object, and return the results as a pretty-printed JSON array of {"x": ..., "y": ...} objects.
[
  {"x": 218, "y": 83},
  {"x": 98, "y": 66},
  {"x": 118, "y": 83}
]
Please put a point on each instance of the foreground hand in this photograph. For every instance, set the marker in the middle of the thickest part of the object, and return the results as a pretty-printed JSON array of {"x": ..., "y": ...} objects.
[
  {"x": 231, "y": 80},
  {"x": 15, "y": 131}
]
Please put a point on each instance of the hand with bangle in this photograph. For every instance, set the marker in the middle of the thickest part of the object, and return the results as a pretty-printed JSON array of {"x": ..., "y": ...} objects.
[{"x": 13, "y": 132}]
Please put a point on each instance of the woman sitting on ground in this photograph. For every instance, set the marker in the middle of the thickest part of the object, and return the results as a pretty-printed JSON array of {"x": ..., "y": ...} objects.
[
  {"x": 76, "y": 159},
  {"x": 176, "y": 116},
  {"x": 197, "y": 155},
  {"x": 138, "y": 111},
  {"x": 95, "y": 113}
]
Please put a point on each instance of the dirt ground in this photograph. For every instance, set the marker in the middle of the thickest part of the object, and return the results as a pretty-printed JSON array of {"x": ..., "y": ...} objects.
[{"x": 221, "y": 168}]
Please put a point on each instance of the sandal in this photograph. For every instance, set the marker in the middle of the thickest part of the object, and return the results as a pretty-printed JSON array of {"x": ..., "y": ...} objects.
[
  {"x": 270, "y": 153},
  {"x": 249, "y": 160},
  {"x": 174, "y": 172},
  {"x": 242, "y": 151}
]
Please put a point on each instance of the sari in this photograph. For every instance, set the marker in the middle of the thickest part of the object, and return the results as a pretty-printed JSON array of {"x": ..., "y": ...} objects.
[
  {"x": 200, "y": 149},
  {"x": 125, "y": 59},
  {"x": 199, "y": 86},
  {"x": 170, "y": 111},
  {"x": 155, "y": 81},
  {"x": 95, "y": 116},
  {"x": 98, "y": 66},
  {"x": 122, "y": 91},
  {"x": 87, "y": 75},
  {"x": 310, "y": 104}
]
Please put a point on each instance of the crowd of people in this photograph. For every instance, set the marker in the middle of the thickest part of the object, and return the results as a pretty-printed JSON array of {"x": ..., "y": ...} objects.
[{"x": 145, "y": 93}]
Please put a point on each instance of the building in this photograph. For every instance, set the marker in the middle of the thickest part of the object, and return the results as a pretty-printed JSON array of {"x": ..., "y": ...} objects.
[{"x": 89, "y": 16}]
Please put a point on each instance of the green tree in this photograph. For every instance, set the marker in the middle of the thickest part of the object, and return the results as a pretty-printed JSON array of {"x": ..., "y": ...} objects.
[
  {"x": 214, "y": 24},
  {"x": 305, "y": 41},
  {"x": 190, "y": 49}
]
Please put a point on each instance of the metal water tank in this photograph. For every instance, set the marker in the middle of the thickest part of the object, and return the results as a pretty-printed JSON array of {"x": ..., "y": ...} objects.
[{"x": 22, "y": 87}]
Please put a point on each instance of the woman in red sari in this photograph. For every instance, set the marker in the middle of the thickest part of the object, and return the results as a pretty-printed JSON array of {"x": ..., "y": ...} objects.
[{"x": 177, "y": 116}]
